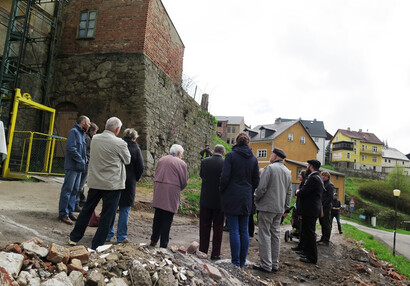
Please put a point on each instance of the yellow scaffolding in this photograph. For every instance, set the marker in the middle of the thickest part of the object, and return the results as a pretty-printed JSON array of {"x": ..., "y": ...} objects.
[{"x": 26, "y": 100}]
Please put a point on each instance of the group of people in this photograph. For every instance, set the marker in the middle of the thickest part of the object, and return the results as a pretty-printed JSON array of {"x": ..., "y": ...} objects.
[
  {"x": 229, "y": 189},
  {"x": 113, "y": 165},
  {"x": 232, "y": 188}
]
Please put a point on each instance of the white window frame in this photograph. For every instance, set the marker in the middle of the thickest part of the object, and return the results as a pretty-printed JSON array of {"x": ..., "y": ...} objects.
[
  {"x": 374, "y": 159},
  {"x": 262, "y": 153},
  {"x": 302, "y": 140},
  {"x": 374, "y": 148},
  {"x": 290, "y": 137},
  {"x": 262, "y": 133}
]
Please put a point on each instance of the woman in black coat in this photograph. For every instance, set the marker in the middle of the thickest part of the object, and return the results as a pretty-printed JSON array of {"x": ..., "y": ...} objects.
[
  {"x": 134, "y": 171},
  {"x": 240, "y": 177}
]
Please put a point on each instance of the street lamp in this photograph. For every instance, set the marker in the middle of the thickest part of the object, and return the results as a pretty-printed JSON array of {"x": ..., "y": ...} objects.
[{"x": 396, "y": 194}]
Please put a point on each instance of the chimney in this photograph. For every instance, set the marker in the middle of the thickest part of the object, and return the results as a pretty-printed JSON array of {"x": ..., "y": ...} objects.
[
  {"x": 348, "y": 128},
  {"x": 360, "y": 130},
  {"x": 278, "y": 120},
  {"x": 204, "y": 101}
]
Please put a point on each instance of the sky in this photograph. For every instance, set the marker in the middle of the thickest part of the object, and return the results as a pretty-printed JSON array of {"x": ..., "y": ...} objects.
[{"x": 343, "y": 62}]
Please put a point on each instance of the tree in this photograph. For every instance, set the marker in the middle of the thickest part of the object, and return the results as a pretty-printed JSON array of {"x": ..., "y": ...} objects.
[{"x": 398, "y": 179}]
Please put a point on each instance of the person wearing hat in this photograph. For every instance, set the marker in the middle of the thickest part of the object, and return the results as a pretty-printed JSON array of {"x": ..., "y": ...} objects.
[
  {"x": 272, "y": 199},
  {"x": 335, "y": 212},
  {"x": 310, "y": 208},
  {"x": 327, "y": 196}
]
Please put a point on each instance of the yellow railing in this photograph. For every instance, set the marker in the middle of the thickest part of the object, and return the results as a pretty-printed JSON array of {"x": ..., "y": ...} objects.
[{"x": 23, "y": 150}]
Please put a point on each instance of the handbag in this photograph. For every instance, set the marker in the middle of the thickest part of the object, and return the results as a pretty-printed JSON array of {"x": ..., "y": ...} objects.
[{"x": 94, "y": 220}]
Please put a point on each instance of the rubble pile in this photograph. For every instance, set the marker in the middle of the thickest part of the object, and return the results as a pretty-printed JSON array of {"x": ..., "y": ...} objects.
[{"x": 31, "y": 263}]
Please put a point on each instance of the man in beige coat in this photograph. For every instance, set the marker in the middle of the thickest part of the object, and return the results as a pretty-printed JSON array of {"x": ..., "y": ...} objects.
[
  {"x": 272, "y": 199},
  {"x": 106, "y": 178}
]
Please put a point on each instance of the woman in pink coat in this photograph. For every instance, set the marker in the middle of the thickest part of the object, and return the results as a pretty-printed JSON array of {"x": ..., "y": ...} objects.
[{"x": 171, "y": 177}]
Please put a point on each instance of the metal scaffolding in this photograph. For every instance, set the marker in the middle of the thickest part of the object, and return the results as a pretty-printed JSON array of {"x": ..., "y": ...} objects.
[{"x": 28, "y": 25}]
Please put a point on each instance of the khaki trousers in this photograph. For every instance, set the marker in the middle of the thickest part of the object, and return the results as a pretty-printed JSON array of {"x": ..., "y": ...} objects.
[{"x": 269, "y": 239}]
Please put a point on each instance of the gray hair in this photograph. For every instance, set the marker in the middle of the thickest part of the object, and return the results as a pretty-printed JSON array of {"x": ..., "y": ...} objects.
[
  {"x": 220, "y": 149},
  {"x": 113, "y": 123},
  {"x": 81, "y": 118},
  {"x": 176, "y": 149},
  {"x": 130, "y": 133}
]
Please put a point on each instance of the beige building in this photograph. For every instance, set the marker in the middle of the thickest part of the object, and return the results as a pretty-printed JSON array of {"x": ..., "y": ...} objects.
[{"x": 228, "y": 127}]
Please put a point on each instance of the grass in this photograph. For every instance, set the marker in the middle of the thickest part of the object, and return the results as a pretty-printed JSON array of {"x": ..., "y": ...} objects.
[{"x": 400, "y": 263}]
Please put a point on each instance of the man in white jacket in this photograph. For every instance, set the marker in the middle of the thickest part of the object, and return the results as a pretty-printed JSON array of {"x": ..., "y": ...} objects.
[
  {"x": 106, "y": 178},
  {"x": 272, "y": 199}
]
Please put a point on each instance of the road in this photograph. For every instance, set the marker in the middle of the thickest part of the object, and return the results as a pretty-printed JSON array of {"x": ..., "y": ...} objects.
[{"x": 402, "y": 240}]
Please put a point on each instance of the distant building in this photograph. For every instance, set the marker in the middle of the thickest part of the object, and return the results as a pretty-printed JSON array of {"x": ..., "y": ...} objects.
[
  {"x": 291, "y": 136},
  {"x": 356, "y": 149},
  {"x": 228, "y": 127},
  {"x": 391, "y": 158},
  {"x": 317, "y": 130}
]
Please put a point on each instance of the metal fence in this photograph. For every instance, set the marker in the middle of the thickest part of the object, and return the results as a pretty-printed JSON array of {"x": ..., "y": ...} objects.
[{"x": 35, "y": 153}]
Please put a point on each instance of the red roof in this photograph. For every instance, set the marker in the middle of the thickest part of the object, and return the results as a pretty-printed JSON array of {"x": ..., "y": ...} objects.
[{"x": 362, "y": 136}]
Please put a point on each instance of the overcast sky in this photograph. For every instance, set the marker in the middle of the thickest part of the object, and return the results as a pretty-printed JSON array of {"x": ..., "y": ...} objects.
[{"x": 346, "y": 63}]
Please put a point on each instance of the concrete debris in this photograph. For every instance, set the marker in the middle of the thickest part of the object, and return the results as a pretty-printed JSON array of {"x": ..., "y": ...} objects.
[{"x": 129, "y": 264}]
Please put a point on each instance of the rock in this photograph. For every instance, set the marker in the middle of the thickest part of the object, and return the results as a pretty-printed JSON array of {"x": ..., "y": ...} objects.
[
  {"x": 182, "y": 250},
  {"x": 201, "y": 255},
  {"x": 105, "y": 83},
  {"x": 27, "y": 278},
  {"x": 75, "y": 265},
  {"x": 193, "y": 247},
  {"x": 32, "y": 247},
  {"x": 58, "y": 253},
  {"x": 14, "y": 248},
  {"x": 61, "y": 279},
  {"x": 11, "y": 262},
  {"x": 6, "y": 279},
  {"x": 166, "y": 277},
  {"x": 105, "y": 66},
  {"x": 79, "y": 252},
  {"x": 94, "y": 278},
  {"x": 76, "y": 278},
  {"x": 117, "y": 282},
  {"x": 112, "y": 257},
  {"x": 140, "y": 274},
  {"x": 359, "y": 255},
  {"x": 213, "y": 272},
  {"x": 61, "y": 267}
]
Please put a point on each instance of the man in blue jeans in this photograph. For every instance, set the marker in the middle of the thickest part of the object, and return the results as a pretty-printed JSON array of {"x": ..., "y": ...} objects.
[
  {"x": 106, "y": 178},
  {"x": 74, "y": 165}
]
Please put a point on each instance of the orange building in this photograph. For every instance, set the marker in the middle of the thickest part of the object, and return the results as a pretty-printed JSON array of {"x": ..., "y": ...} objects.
[{"x": 290, "y": 136}]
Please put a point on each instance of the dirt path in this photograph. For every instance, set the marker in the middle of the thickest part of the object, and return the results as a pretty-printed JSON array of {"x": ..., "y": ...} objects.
[{"x": 29, "y": 210}]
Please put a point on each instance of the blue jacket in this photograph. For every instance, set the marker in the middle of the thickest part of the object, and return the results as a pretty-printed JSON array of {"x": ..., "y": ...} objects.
[
  {"x": 76, "y": 150},
  {"x": 239, "y": 179}
]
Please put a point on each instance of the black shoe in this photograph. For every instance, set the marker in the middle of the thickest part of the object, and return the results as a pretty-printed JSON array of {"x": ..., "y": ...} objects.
[
  {"x": 259, "y": 268},
  {"x": 215, "y": 257},
  {"x": 300, "y": 252},
  {"x": 306, "y": 260},
  {"x": 340, "y": 232},
  {"x": 77, "y": 208},
  {"x": 296, "y": 248},
  {"x": 321, "y": 242},
  {"x": 226, "y": 228},
  {"x": 153, "y": 243}
]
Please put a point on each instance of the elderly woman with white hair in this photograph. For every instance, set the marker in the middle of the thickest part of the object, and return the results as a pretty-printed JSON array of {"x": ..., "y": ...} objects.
[{"x": 171, "y": 177}]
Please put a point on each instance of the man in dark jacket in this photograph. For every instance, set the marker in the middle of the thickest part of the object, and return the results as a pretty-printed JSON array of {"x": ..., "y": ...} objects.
[
  {"x": 335, "y": 212},
  {"x": 310, "y": 207},
  {"x": 240, "y": 177},
  {"x": 327, "y": 196},
  {"x": 210, "y": 214},
  {"x": 74, "y": 165}
]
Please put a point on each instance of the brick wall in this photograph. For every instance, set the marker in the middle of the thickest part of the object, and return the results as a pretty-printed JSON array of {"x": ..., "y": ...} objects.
[{"x": 125, "y": 27}]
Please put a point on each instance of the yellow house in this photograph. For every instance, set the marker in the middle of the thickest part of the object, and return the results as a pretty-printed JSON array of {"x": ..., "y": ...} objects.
[
  {"x": 337, "y": 178},
  {"x": 290, "y": 136},
  {"x": 357, "y": 150}
]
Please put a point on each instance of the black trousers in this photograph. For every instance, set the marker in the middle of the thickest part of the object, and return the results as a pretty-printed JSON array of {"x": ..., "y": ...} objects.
[
  {"x": 211, "y": 219},
  {"x": 309, "y": 237},
  {"x": 326, "y": 225},
  {"x": 161, "y": 227}
]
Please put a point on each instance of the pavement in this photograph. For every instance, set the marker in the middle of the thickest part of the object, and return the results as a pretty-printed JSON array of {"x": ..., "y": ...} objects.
[{"x": 402, "y": 240}]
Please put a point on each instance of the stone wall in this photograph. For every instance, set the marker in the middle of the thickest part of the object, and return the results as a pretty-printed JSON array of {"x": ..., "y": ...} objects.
[{"x": 133, "y": 88}]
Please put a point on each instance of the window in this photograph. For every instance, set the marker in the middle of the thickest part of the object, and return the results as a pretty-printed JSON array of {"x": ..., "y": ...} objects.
[
  {"x": 262, "y": 153},
  {"x": 233, "y": 141},
  {"x": 374, "y": 148},
  {"x": 374, "y": 159},
  {"x": 354, "y": 150},
  {"x": 337, "y": 138},
  {"x": 362, "y": 147},
  {"x": 302, "y": 140},
  {"x": 233, "y": 129},
  {"x": 219, "y": 124},
  {"x": 228, "y": 140},
  {"x": 86, "y": 28},
  {"x": 262, "y": 134},
  {"x": 316, "y": 139},
  {"x": 290, "y": 137},
  {"x": 355, "y": 142},
  {"x": 298, "y": 170},
  {"x": 229, "y": 129},
  {"x": 363, "y": 157},
  {"x": 348, "y": 155},
  {"x": 402, "y": 162},
  {"x": 385, "y": 160}
]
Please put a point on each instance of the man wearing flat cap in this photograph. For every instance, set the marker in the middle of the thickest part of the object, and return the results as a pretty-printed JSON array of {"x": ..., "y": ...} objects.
[
  {"x": 272, "y": 199},
  {"x": 310, "y": 209}
]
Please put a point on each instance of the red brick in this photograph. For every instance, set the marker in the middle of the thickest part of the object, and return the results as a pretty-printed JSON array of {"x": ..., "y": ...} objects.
[
  {"x": 213, "y": 272},
  {"x": 79, "y": 252},
  {"x": 14, "y": 248},
  {"x": 6, "y": 279},
  {"x": 58, "y": 253}
]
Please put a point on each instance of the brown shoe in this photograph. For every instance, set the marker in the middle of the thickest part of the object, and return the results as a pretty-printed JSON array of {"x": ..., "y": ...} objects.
[
  {"x": 72, "y": 217},
  {"x": 66, "y": 219}
]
